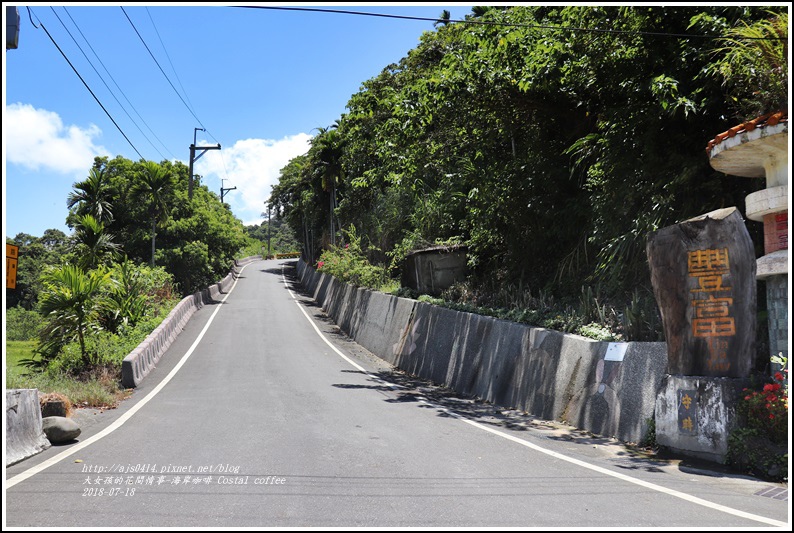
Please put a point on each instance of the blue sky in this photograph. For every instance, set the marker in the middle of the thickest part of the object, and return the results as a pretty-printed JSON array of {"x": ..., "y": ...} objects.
[{"x": 260, "y": 81}]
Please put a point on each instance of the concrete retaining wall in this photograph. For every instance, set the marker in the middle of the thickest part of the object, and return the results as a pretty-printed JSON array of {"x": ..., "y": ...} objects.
[
  {"x": 607, "y": 388},
  {"x": 145, "y": 356},
  {"x": 24, "y": 434}
]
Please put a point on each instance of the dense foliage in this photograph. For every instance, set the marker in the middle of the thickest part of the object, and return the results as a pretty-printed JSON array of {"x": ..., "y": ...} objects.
[
  {"x": 273, "y": 236},
  {"x": 139, "y": 244},
  {"x": 759, "y": 443},
  {"x": 550, "y": 151},
  {"x": 195, "y": 240}
]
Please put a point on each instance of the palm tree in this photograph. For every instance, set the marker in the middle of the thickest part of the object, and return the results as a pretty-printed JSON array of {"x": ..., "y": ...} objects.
[
  {"x": 93, "y": 244},
  {"x": 329, "y": 145},
  {"x": 91, "y": 196},
  {"x": 154, "y": 187},
  {"x": 71, "y": 303},
  {"x": 443, "y": 18}
]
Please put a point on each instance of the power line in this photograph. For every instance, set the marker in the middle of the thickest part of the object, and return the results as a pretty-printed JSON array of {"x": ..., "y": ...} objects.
[
  {"x": 508, "y": 24},
  {"x": 120, "y": 89},
  {"x": 163, "y": 71},
  {"x": 86, "y": 84},
  {"x": 97, "y": 72},
  {"x": 180, "y": 82},
  {"x": 168, "y": 56},
  {"x": 161, "y": 68}
]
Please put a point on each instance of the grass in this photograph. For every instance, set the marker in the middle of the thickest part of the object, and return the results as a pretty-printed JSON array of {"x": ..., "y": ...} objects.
[{"x": 100, "y": 388}]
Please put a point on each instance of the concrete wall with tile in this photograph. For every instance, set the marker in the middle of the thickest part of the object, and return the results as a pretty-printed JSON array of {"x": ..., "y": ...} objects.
[{"x": 777, "y": 306}]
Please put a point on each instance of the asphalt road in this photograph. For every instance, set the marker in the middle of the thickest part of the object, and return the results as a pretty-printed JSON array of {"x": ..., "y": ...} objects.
[{"x": 262, "y": 414}]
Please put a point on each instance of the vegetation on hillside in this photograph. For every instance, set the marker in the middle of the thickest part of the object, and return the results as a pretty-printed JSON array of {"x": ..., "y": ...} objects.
[{"x": 549, "y": 140}]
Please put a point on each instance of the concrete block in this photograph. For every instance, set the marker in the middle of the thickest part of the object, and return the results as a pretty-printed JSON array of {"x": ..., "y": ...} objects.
[
  {"x": 24, "y": 434},
  {"x": 616, "y": 396},
  {"x": 696, "y": 414}
]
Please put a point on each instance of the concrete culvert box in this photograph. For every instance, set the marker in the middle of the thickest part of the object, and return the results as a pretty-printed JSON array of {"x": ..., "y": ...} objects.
[{"x": 432, "y": 270}]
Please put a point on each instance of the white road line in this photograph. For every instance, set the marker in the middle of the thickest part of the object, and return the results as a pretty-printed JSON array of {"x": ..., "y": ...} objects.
[
  {"x": 126, "y": 416},
  {"x": 557, "y": 455},
  {"x": 334, "y": 348}
]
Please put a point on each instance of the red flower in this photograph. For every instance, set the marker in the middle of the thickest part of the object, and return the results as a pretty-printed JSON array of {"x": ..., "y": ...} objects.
[
  {"x": 771, "y": 416},
  {"x": 778, "y": 376},
  {"x": 320, "y": 264}
]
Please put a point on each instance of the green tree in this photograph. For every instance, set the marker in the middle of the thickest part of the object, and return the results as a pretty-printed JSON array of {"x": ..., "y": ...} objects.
[
  {"x": 91, "y": 197},
  {"x": 93, "y": 245},
  {"x": 752, "y": 63},
  {"x": 127, "y": 299},
  {"x": 326, "y": 151},
  {"x": 71, "y": 303},
  {"x": 154, "y": 187},
  {"x": 35, "y": 254}
]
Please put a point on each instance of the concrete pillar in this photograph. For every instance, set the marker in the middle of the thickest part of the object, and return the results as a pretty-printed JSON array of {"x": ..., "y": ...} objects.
[{"x": 759, "y": 149}]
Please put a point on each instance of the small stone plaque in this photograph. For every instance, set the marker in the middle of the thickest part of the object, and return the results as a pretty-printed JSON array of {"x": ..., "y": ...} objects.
[{"x": 687, "y": 412}]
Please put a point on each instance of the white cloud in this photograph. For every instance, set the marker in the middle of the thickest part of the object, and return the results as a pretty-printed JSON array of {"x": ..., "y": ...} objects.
[
  {"x": 38, "y": 140},
  {"x": 251, "y": 165}
]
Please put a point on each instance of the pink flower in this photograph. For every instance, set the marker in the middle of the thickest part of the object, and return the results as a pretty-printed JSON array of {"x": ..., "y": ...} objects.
[{"x": 320, "y": 264}]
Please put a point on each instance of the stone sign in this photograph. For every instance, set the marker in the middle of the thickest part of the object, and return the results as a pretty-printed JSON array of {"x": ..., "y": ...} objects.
[{"x": 703, "y": 276}]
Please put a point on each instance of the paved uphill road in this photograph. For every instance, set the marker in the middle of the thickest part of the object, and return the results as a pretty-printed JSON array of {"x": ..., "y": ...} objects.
[{"x": 254, "y": 419}]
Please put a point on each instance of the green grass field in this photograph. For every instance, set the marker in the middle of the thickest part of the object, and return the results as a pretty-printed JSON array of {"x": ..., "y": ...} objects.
[
  {"x": 97, "y": 391},
  {"x": 15, "y": 352}
]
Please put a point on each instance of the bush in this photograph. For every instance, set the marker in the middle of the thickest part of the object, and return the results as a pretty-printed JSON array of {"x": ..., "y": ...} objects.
[
  {"x": 22, "y": 325},
  {"x": 598, "y": 332},
  {"x": 759, "y": 444},
  {"x": 766, "y": 410},
  {"x": 751, "y": 452},
  {"x": 349, "y": 264},
  {"x": 251, "y": 248}
]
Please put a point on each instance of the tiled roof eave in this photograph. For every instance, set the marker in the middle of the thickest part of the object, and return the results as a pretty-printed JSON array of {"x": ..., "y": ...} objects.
[{"x": 745, "y": 130}]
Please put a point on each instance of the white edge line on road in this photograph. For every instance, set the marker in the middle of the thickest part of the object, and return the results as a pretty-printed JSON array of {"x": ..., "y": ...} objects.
[
  {"x": 618, "y": 475},
  {"x": 126, "y": 416}
]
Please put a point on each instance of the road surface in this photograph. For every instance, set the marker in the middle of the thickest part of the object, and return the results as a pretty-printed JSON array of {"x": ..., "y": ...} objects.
[{"x": 262, "y": 414}]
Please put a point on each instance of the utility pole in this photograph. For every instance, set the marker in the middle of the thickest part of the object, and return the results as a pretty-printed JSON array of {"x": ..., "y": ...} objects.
[
  {"x": 268, "y": 230},
  {"x": 224, "y": 191},
  {"x": 194, "y": 158}
]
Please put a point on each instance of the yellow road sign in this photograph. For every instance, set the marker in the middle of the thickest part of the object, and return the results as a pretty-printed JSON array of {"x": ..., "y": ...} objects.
[{"x": 12, "y": 253}]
